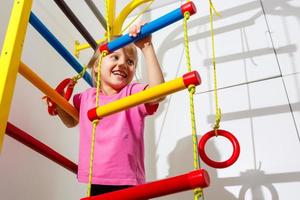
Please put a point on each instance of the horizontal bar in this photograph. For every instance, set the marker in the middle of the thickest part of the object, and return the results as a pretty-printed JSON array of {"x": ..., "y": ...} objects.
[
  {"x": 75, "y": 21},
  {"x": 78, "y": 47},
  {"x": 54, "y": 42},
  {"x": 150, "y": 27},
  {"x": 47, "y": 90},
  {"x": 194, "y": 179},
  {"x": 159, "y": 91},
  {"x": 117, "y": 23},
  {"x": 40, "y": 147}
]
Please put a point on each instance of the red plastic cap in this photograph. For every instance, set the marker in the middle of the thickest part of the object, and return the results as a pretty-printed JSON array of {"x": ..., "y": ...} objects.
[
  {"x": 191, "y": 78},
  {"x": 104, "y": 47},
  {"x": 92, "y": 114},
  {"x": 188, "y": 7},
  {"x": 199, "y": 178}
]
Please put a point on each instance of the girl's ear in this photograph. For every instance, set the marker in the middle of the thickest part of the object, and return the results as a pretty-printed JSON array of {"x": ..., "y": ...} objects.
[{"x": 95, "y": 66}]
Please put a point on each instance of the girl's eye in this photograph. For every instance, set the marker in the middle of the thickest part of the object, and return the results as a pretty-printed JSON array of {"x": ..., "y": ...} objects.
[
  {"x": 130, "y": 62},
  {"x": 115, "y": 57}
]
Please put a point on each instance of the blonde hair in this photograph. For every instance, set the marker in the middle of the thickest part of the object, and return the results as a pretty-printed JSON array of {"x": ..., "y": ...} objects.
[{"x": 130, "y": 48}]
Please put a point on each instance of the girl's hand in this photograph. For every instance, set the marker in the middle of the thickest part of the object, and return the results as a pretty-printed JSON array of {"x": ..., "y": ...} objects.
[{"x": 134, "y": 32}]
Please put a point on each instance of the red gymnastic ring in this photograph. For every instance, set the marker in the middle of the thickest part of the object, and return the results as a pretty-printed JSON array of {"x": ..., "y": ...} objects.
[
  {"x": 230, "y": 137},
  {"x": 65, "y": 88}
]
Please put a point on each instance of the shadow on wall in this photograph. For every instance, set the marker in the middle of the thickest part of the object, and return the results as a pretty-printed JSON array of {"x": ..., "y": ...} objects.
[
  {"x": 151, "y": 142},
  {"x": 278, "y": 7},
  {"x": 181, "y": 162},
  {"x": 245, "y": 114},
  {"x": 253, "y": 183}
]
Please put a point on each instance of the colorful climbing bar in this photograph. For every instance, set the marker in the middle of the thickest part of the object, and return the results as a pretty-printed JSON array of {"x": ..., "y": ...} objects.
[
  {"x": 76, "y": 22},
  {"x": 39, "y": 147},
  {"x": 54, "y": 42},
  {"x": 150, "y": 27},
  {"x": 116, "y": 24},
  {"x": 162, "y": 90},
  {"x": 10, "y": 58},
  {"x": 38, "y": 82},
  {"x": 194, "y": 179}
]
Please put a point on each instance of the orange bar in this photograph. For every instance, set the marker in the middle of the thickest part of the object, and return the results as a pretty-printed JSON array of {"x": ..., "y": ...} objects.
[{"x": 46, "y": 89}]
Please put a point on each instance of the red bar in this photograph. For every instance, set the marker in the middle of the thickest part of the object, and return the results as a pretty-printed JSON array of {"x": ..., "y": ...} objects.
[
  {"x": 194, "y": 179},
  {"x": 39, "y": 147}
]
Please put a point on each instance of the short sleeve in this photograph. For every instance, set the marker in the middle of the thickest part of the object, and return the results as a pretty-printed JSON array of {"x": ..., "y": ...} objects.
[
  {"x": 151, "y": 108},
  {"x": 147, "y": 109},
  {"x": 76, "y": 101}
]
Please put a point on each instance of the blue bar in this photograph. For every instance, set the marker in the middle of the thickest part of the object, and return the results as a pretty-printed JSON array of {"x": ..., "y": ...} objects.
[
  {"x": 53, "y": 41},
  {"x": 146, "y": 30}
]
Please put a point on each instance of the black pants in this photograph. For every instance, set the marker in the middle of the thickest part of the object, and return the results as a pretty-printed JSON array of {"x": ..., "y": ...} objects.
[{"x": 101, "y": 189}]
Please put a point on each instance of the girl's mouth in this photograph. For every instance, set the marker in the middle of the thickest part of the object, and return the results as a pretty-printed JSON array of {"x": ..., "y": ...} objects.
[{"x": 119, "y": 73}]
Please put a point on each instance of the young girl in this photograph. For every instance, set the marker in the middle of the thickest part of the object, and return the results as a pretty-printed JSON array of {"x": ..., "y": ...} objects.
[{"x": 119, "y": 143}]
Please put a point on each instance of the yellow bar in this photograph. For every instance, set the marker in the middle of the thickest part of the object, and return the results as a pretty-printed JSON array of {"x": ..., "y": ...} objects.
[
  {"x": 47, "y": 90},
  {"x": 118, "y": 23},
  {"x": 10, "y": 58},
  {"x": 78, "y": 47},
  {"x": 111, "y": 14},
  {"x": 141, "y": 97}
]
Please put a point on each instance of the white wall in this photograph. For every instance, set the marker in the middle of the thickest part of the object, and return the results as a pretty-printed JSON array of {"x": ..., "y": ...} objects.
[{"x": 258, "y": 76}]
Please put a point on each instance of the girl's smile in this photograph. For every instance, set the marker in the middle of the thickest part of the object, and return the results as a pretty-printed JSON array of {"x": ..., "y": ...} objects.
[{"x": 117, "y": 69}]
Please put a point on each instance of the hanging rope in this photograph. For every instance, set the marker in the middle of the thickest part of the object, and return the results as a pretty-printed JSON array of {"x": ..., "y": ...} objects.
[
  {"x": 98, "y": 88},
  {"x": 213, "y": 11},
  {"x": 80, "y": 74},
  {"x": 95, "y": 123},
  {"x": 186, "y": 41},
  {"x": 191, "y": 88},
  {"x": 140, "y": 14}
]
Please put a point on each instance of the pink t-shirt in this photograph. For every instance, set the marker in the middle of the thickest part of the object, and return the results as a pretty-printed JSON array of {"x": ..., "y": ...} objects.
[{"x": 119, "y": 142}]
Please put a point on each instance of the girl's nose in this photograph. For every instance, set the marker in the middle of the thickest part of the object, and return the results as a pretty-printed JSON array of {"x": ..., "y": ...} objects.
[{"x": 122, "y": 62}]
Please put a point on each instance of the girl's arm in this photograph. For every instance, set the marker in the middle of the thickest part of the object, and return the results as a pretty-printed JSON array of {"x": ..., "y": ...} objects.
[
  {"x": 67, "y": 119},
  {"x": 154, "y": 72}
]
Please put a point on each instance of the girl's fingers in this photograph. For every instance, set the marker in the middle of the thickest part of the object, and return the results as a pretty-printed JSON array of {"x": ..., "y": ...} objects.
[
  {"x": 136, "y": 29},
  {"x": 131, "y": 30}
]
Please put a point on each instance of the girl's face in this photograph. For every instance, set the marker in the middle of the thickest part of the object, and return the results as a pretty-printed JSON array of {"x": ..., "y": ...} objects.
[{"x": 117, "y": 69}]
